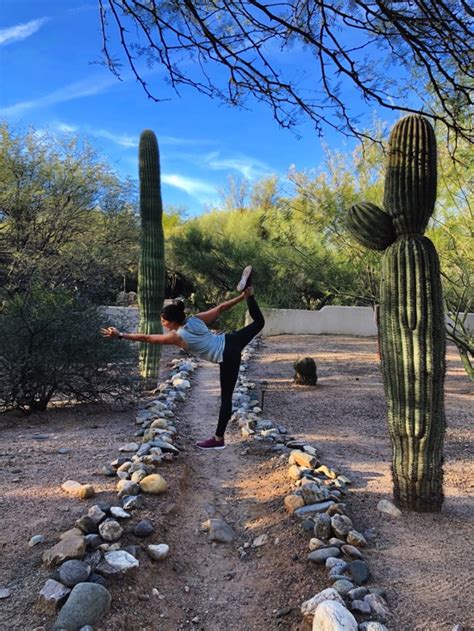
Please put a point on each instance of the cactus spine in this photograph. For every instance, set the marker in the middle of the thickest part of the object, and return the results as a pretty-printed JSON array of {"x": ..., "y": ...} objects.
[
  {"x": 151, "y": 268},
  {"x": 411, "y": 315}
]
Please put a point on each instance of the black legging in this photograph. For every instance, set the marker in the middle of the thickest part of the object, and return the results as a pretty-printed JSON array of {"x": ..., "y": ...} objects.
[{"x": 229, "y": 367}]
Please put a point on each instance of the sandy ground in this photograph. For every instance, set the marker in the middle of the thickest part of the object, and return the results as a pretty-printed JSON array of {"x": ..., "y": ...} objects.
[{"x": 423, "y": 561}]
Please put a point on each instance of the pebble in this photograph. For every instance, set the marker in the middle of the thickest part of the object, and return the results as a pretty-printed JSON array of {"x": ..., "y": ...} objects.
[
  {"x": 388, "y": 508},
  {"x": 315, "y": 544},
  {"x": 378, "y": 605},
  {"x": 343, "y": 586},
  {"x": 352, "y": 551},
  {"x": 283, "y": 611},
  {"x": 117, "y": 511},
  {"x": 4, "y": 593},
  {"x": 219, "y": 531},
  {"x": 73, "y": 572},
  {"x": 320, "y": 556},
  {"x": 356, "y": 538},
  {"x": 358, "y": 593},
  {"x": 110, "y": 530},
  {"x": 144, "y": 528},
  {"x": 129, "y": 502},
  {"x": 261, "y": 540},
  {"x": 96, "y": 514},
  {"x": 334, "y": 562},
  {"x": 125, "y": 487},
  {"x": 154, "y": 484},
  {"x": 76, "y": 489},
  {"x": 121, "y": 560},
  {"x": 341, "y": 525},
  {"x": 360, "y": 606},
  {"x": 64, "y": 450},
  {"x": 322, "y": 526},
  {"x": 87, "y": 525},
  {"x": 35, "y": 540},
  {"x": 86, "y": 605},
  {"x": 158, "y": 552},
  {"x": 371, "y": 625}
]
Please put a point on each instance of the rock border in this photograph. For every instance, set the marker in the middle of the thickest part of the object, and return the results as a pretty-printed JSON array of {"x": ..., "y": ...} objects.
[{"x": 90, "y": 552}]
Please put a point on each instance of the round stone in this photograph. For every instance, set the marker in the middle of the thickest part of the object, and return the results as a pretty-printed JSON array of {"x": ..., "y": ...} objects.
[
  {"x": 87, "y": 604},
  {"x": 158, "y": 552},
  {"x": 320, "y": 556},
  {"x": 359, "y": 570},
  {"x": 73, "y": 572},
  {"x": 355, "y": 538},
  {"x": 110, "y": 530},
  {"x": 144, "y": 528},
  {"x": 343, "y": 586},
  {"x": 154, "y": 484},
  {"x": 341, "y": 525}
]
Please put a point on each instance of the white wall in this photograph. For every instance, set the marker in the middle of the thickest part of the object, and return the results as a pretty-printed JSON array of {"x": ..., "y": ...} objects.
[{"x": 328, "y": 320}]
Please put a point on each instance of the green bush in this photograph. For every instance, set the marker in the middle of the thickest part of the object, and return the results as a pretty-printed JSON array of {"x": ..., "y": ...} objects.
[{"x": 52, "y": 348}]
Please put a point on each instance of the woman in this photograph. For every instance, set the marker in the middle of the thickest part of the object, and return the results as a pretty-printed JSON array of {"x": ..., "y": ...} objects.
[{"x": 191, "y": 334}]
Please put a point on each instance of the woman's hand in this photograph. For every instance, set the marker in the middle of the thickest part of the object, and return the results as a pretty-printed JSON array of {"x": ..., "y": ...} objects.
[{"x": 110, "y": 331}]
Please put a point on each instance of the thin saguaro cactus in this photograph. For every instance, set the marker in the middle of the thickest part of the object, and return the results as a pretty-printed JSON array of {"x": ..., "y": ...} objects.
[
  {"x": 412, "y": 329},
  {"x": 151, "y": 268}
]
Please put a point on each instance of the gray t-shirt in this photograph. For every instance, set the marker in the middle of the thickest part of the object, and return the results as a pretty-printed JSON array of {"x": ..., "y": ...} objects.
[{"x": 202, "y": 342}]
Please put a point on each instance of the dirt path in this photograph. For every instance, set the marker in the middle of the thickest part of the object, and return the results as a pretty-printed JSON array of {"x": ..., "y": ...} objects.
[{"x": 422, "y": 561}]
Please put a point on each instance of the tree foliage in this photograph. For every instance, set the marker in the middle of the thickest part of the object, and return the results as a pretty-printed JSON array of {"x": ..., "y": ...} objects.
[{"x": 374, "y": 52}]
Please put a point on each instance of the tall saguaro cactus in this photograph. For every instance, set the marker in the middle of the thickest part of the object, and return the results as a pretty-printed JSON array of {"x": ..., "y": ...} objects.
[
  {"x": 151, "y": 268},
  {"x": 411, "y": 313}
]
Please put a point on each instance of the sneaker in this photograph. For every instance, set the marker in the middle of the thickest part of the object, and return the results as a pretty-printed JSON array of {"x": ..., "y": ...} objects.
[
  {"x": 211, "y": 443},
  {"x": 245, "y": 279}
]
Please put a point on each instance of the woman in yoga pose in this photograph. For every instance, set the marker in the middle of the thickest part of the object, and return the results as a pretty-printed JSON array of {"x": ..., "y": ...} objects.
[{"x": 192, "y": 334}]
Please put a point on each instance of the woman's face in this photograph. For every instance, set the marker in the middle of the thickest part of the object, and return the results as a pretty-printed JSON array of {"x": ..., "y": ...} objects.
[{"x": 168, "y": 324}]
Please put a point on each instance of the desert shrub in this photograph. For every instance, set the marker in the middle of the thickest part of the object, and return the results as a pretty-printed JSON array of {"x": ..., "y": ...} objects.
[{"x": 52, "y": 348}]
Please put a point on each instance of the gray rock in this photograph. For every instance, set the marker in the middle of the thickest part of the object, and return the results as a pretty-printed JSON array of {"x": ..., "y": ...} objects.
[
  {"x": 129, "y": 447},
  {"x": 358, "y": 593},
  {"x": 334, "y": 577},
  {"x": 73, "y": 572},
  {"x": 126, "y": 488},
  {"x": 129, "y": 502},
  {"x": 359, "y": 570},
  {"x": 219, "y": 531},
  {"x": 321, "y": 555},
  {"x": 158, "y": 552},
  {"x": 332, "y": 615},
  {"x": 313, "y": 493},
  {"x": 312, "y": 509},
  {"x": 107, "y": 471},
  {"x": 388, "y": 508},
  {"x": 360, "y": 606},
  {"x": 322, "y": 526},
  {"x": 97, "y": 579},
  {"x": 122, "y": 560},
  {"x": 334, "y": 541},
  {"x": 96, "y": 514},
  {"x": 341, "y": 525},
  {"x": 334, "y": 562},
  {"x": 343, "y": 586},
  {"x": 87, "y": 525},
  {"x": 308, "y": 525},
  {"x": 52, "y": 596},
  {"x": 339, "y": 508},
  {"x": 378, "y": 605},
  {"x": 87, "y": 604},
  {"x": 380, "y": 591},
  {"x": 144, "y": 528},
  {"x": 110, "y": 530},
  {"x": 35, "y": 540},
  {"x": 93, "y": 541},
  {"x": 63, "y": 451}
]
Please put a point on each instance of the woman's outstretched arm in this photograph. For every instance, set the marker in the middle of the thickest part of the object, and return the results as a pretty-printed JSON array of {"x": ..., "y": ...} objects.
[
  {"x": 168, "y": 338},
  {"x": 215, "y": 312}
]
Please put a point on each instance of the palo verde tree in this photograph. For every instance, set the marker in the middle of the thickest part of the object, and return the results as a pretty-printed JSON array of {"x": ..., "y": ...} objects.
[
  {"x": 151, "y": 268},
  {"x": 412, "y": 330},
  {"x": 377, "y": 51}
]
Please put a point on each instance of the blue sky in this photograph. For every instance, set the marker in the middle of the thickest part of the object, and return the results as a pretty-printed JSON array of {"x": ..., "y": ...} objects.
[{"x": 49, "y": 79}]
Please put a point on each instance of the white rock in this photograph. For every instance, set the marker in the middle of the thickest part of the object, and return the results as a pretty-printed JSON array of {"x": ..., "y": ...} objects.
[
  {"x": 260, "y": 541},
  {"x": 309, "y": 606},
  {"x": 121, "y": 560},
  {"x": 332, "y": 616},
  {"x": 387, "y": 507},
  {"x": 117, "y": 511},
  {"x": 159, "y": 552},
  {"x": 129, "y": 447},
  {"x": 181, "y": 384}
]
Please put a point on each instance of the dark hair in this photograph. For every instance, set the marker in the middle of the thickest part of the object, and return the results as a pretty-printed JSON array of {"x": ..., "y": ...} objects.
[{"x": 174, "y": 312}]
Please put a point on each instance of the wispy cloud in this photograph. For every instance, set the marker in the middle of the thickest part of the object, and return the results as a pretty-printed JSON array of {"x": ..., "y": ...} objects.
[
  {"x": 123, "y": 140},
  {"x": 199, "y": 189},
  {"x": 249, "y": 167},
  {"x": 65, "y": 128},
  {"x": 77, "y": 90},
  {"x": 20, "y": 31}
]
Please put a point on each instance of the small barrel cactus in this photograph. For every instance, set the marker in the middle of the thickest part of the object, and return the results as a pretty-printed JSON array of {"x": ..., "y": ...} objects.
[
  {"x": 305, "y": 372},
  {"x": 151, "y": 268},
  {"x": 411, "y": 321}
]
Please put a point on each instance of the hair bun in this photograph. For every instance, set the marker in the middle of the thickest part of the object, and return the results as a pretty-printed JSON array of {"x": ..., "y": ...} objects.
[{"x": 179, "y": 304}]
